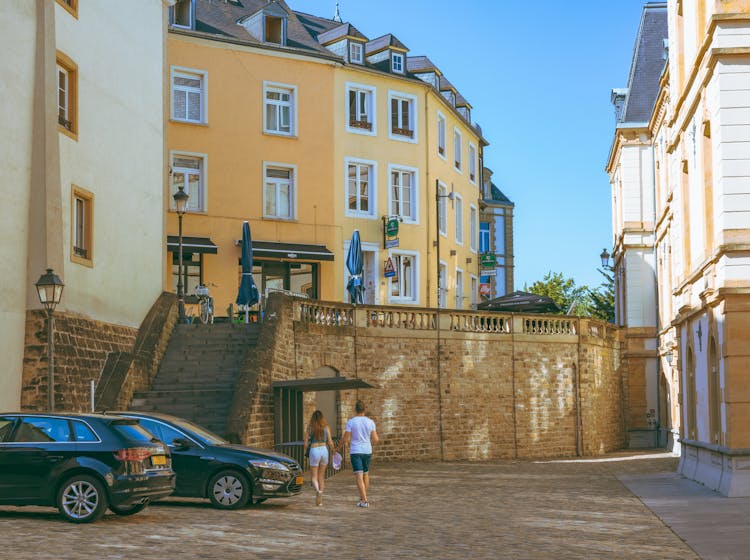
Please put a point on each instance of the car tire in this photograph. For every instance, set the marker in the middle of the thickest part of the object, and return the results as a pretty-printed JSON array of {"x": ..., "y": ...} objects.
[
  {"x": 82, "y": 499},
  {"x": 128, "y": 510},
  {"x": 229, "y": 490}
]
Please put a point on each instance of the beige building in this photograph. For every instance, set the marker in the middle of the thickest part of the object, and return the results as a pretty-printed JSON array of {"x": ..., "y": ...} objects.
[
  {"x": 83, "y": 155},
  {"x": 698, "y": 137}
]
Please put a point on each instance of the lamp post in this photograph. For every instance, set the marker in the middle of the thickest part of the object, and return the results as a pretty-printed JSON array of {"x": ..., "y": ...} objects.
[
  {"x": 49, "y": 287},
  {"x": 604, "y": 255},
  {"x": 180, "y": 202}
]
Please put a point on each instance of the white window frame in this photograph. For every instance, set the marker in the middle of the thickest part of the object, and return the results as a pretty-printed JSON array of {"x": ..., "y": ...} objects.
[
  {"x": 180, "y": 71},
  {"x": 473, "y": 228},
  {"x": 459, "y": 288},
  {"x": 472, "y": 163},
  {"x": 293, "y": 194},
  {"x": 415, "y": 278},
  {"x": 414, "y": 217},
  {"x": 458, "y": 146},
  {"x": 356, "y": 46},
  {"x": 458, "y": 203},
  {"x": 372, "y": 213},
  {"x": 371, "y": 91},
  {"x": 172, "y": 17},
  {"x": 443, "y": 212},
  {"x": 442, "y": 285},
  {"x": 474, "y": 291},
  {"x": 413, "y": 117},
  {"x": 442, "y": 132},
  {"x": 281, "y": 88},
  {"x": 397, "y": 67},
  {"x": 194, "y": 205}
]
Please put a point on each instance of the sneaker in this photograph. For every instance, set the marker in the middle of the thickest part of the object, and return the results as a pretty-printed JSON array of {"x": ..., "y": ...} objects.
[
  {"x": 318, "y": 498},
  {"x": 363, "y": 504}
]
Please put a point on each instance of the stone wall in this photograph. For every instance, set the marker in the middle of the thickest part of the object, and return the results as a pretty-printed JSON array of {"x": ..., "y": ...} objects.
[
  {"x": 498, "y": 387},
  {"x": 81, "y": 348}
]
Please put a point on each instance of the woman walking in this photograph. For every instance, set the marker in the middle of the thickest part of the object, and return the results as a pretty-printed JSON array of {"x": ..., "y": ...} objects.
[{"x": 319, "y": 441}]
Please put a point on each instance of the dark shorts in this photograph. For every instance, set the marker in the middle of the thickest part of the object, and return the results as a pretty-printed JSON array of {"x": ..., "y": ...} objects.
[{"x": 360, "y": 462}]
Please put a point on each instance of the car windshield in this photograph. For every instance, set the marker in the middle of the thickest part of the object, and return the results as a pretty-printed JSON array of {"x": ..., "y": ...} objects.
[{"x": 206, "y": 437}]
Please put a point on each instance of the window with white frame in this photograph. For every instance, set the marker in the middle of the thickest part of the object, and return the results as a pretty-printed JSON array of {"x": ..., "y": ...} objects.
[
  {"x": 484, "y": 237},
  {"x": 403, "y": 193},
  {"x": 404, "y": 284},
  {"x": 82, "y": 210},
  {"x": 361, "y": 109},
  {"x": 403, "y": 116},
  {"x": 443, "y": 285},
  {"x": 441, "y": 135},
  {"x": 360, "y": 185},
  {"x": 472, "y": 163},
  {"x": 355, "y": 52},
  {"x": 397, "y": 63},
  {"x": 279, "y": 191},
  {"x": 474, "y": 291},
  {"x": 67, "y": 97},
  {"x": 279, "y": 109},
  {"x": 443, "y": 210},
  {"x": 182, "y": 14},
  {"x": 473, "y": 226},
  {"x": 459, "y": 206},
  {"x": 188, "y": 172},
  {"x": 188, "y": 96},
  {"x": 457, "y": 140},
  {"x": 459, "y": 288}
]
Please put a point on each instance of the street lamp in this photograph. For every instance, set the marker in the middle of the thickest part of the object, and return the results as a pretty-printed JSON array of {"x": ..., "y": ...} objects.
[
  {"x": 49, "y": 287},
  {"x": 451, "y": 196},
  {"x": 604, "y": 255},
  {"x": 180, "y": 202}
]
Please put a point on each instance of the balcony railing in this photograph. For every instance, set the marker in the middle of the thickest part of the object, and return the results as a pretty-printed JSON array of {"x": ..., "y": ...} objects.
[{"x": 62, "y": 121}]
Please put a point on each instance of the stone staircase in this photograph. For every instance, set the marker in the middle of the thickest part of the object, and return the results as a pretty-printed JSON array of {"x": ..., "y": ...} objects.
[{"x": 197, "y": 377}]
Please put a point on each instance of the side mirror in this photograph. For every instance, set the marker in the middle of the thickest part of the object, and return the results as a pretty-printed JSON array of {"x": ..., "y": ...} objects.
[{"x": 181, "y": 443}]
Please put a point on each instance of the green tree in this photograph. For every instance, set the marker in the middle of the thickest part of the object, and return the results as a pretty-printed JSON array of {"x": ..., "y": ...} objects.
[
  {"x": 564, "y": 292},
  {"x": 603, "y": 298}
]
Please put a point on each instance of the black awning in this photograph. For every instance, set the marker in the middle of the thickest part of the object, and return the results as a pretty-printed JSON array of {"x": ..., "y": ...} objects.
[
  {"x": 322, "y": 384},
  {"x": 291, "y": 251},
  {"x": 191, "y": 244}
]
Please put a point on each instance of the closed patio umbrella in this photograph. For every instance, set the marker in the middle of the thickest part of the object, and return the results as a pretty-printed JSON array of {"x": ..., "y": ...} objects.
[
  {"x": 248, "y": 292},
  {"x": 355, "y": 264}
]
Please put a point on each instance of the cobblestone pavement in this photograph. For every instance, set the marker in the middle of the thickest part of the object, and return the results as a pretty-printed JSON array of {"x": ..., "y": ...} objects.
[{"x": 524, "y": 510}]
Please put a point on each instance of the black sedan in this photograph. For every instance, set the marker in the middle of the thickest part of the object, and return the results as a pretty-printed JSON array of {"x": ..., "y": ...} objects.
[
  {"x": 229, "y": 475},
  {"x": 81, "y": 463}
]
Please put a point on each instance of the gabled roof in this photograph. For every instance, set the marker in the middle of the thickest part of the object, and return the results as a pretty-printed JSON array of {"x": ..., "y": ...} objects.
[
  {"x": 647, "y": 65},
  {"x": 497, "y": 197},
  {"x": 340, "y": 32},
  {"x": 384, "y": 42},
  {"x": 273, "y": 8},
  {"x": 417, "y": 64}
]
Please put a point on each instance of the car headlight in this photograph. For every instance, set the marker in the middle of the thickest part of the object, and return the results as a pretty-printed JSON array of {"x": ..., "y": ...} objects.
[{"x": 268, "y": 464}]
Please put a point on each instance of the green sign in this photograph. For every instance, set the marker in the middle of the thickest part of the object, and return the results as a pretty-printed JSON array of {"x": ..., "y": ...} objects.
[
  {"x": 488, "y": 260},
  {"x": 391, "y": 227}
]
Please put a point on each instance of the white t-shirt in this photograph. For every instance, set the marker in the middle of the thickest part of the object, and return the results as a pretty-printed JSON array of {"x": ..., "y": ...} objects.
[{"x": 360, "y": 427}]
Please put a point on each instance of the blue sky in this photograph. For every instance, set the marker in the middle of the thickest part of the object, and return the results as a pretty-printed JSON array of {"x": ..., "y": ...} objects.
[{"x": 538, "y": 76}]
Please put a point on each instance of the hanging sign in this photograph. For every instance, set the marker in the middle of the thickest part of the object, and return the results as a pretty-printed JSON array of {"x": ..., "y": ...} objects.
[
  {"x": 390, "y": 232},
  {"x": 487, "y": 260},
  {"x": 485, "y": 290},
  {"x": 389, "y": 271}
]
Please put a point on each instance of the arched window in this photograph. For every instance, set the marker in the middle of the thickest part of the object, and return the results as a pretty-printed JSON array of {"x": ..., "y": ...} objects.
[{"x": 714, "y": 392}]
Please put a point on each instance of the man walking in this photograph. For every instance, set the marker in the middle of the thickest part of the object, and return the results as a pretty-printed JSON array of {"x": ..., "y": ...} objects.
[{"x": 360, "y": 434}]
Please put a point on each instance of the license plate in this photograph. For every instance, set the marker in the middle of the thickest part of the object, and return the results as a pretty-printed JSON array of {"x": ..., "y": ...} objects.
[
  {"x": 300, "y": 480},
  {"x": 158, "y": 460}
]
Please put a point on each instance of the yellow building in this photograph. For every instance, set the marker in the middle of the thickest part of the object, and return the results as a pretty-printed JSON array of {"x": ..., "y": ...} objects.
[{"x": 308, "y": 130}]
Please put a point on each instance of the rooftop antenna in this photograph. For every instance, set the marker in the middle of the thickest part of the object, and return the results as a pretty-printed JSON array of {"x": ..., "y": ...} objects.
[{"x": 337, "y": 16}]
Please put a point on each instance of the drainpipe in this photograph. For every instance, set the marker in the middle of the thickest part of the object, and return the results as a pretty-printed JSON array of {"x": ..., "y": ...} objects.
[{"x": 657, "y": 319}]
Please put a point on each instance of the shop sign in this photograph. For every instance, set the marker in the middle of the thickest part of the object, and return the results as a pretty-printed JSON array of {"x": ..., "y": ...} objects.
[
  {"x": 487, "y": 260},
  {"x": 485, "y": 290}
]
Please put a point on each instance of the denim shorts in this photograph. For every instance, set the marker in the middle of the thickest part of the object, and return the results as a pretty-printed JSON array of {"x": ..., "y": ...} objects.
[
  {"x": 318, "y": 456},
  {"x": 360, "y": 462}
]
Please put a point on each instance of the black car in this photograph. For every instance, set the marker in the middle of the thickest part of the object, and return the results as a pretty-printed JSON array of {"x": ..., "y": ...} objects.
[
  {"x": 229, "y": 475},
  {"x": 81, "y": 463}
]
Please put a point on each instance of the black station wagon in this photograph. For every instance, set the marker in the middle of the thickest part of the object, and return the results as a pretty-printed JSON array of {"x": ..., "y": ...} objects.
[
  {"x": 229, "y": 475},
  {"x": 81, "y": 463}
]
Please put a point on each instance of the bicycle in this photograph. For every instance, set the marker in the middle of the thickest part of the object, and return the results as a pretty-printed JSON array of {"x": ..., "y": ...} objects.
[{"x": 206, "y": 304}]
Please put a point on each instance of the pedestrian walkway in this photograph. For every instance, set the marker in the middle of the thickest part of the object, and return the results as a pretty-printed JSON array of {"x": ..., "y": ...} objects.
[{"x": 568, "y": 509}]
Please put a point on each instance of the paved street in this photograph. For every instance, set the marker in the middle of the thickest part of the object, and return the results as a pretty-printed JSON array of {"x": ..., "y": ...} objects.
[{"x": 565, "y": 509}]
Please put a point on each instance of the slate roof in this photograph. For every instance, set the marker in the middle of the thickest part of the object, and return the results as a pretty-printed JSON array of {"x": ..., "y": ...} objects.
[
  {"x": 343, "y": 30},
  {"x": 498, "y": 197},
  {"x": 647, "y": 65},
  {"x": 445, "y": 85},
  {"x": 418, "y": 64},
  {"x": 382, "y": 42}
]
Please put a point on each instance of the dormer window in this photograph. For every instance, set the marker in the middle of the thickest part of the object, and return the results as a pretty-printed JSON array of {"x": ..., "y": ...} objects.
[
  {"x": 275, "y": 30},
  {"x": 355, "y": 52},
  {"x": 397, "y": 63},
  {"x": 182, "y": 14}
]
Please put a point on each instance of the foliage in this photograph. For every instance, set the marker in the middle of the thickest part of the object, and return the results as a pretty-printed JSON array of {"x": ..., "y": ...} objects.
[
  {"x": 578, "y": 300},
  {"x": 603, "y": 298}
]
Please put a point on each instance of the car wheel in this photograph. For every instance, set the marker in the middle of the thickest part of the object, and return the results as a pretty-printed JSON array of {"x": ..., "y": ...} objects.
[
  {"x": 229, "y": 490},
  {"x": 82, "y": 499},
  {"x": 128, "y": 510}
]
